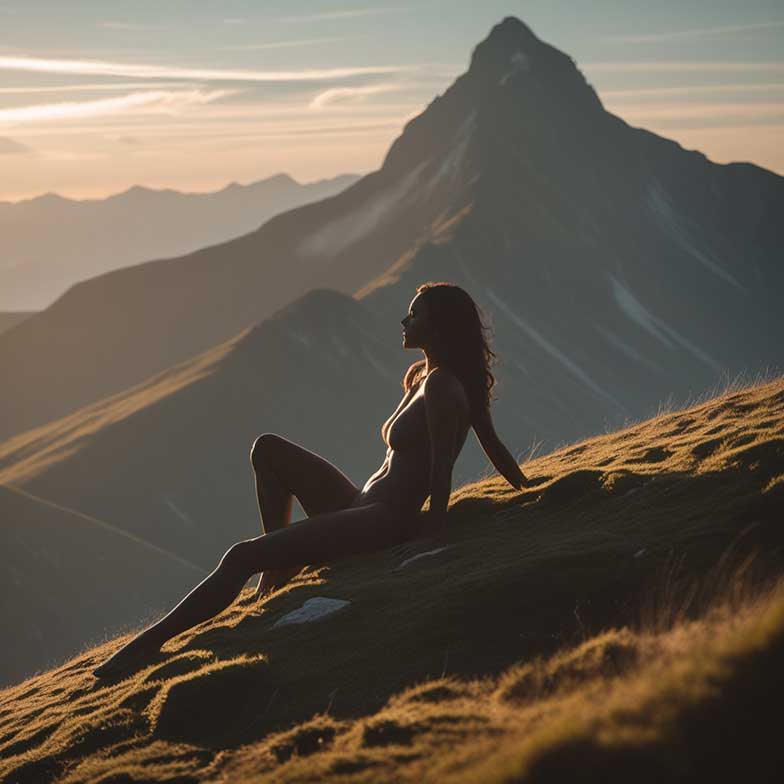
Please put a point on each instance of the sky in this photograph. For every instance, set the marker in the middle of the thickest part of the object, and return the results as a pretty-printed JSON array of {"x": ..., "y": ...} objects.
[{"x": 98, "y": 96}]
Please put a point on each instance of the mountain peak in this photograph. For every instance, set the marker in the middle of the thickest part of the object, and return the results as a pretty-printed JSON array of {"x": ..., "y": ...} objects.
[
  {"x": 512, "y": 54},
  {"x": 510, "y": 28},
  {"x": 508, "y": 38}
]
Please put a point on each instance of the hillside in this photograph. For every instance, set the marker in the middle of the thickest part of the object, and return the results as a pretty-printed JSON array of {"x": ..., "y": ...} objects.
[
  {"x": 492, "y": 658},
  {"x": 50, "y": 242},
  {"x": 617, "y": 267}
]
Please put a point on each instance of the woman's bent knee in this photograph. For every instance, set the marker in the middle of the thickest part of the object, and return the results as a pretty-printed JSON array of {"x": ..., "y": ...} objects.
[
  {"x": 239, "y": 558},
  {"x": 262, "y": 449}
]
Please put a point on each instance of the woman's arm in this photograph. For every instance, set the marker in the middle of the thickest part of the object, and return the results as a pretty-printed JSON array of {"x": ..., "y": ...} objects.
[
  {"x": 499, "y": 455},
  {"x": 447, "y": 414}
]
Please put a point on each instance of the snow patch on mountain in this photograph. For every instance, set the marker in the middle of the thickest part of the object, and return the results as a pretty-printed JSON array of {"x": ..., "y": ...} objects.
[
  {"x": 453, "y": 161},
  {"x": 300, "y": 338},
  {"x": 177, "y": 511},
  {"x": 636, "y": 311},
  {"x": 337, "y": 235},
  {"x": 340, "y": 345},
  {"x": 520, "y": 62},
  {"x": 555, "y": 352},
  {"x": 626, "y": 349},
  {"x": 659, "y": 204}
]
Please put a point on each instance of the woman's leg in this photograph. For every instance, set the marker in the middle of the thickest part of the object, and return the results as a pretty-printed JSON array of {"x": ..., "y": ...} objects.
[
  {"x": 317, "y": 540},
  {"x": 283, "y": 469}
]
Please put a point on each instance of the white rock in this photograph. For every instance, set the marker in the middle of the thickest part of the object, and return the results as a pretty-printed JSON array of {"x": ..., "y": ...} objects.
[
  {"x": 422, "y": 555},
  {"x": 312, "y": 610}
]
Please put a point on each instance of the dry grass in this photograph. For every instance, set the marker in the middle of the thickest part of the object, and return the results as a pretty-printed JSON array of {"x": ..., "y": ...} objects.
[{"x": 618, "y": 619}]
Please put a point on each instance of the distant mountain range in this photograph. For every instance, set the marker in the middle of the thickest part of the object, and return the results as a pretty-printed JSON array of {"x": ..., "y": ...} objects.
[{"x": 49, "y": 243}]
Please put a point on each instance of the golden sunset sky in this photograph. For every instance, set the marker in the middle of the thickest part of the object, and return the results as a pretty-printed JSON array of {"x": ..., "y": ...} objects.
[{"x": 98, "y": 96}]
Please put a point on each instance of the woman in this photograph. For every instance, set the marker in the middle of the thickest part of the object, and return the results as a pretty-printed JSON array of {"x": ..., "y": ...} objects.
[{"x": 445, "y": 393}]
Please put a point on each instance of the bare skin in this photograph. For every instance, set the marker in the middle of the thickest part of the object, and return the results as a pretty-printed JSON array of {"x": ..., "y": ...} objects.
[{"x": 343, "y": 520}]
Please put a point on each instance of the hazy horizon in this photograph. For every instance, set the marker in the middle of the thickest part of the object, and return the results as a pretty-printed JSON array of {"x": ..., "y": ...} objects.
[{"x": 96, "y": 99}]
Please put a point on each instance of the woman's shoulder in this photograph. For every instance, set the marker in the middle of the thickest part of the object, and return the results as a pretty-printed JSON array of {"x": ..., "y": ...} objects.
[{"x": 442, "y": 381}]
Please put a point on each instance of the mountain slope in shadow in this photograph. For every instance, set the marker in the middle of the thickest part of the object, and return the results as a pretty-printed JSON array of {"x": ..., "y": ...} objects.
[{"x": 68, "y": 578}]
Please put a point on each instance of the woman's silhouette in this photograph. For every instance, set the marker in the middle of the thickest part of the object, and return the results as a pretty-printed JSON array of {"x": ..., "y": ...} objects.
[{"x": 445, "y": 393}]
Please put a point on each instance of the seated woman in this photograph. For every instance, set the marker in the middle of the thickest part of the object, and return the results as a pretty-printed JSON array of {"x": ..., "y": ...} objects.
[{"x": 445, "y": 394}]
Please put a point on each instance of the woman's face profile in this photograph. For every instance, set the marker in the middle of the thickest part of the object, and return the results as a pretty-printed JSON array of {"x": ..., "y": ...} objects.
[{"x": 416, "y": 325}]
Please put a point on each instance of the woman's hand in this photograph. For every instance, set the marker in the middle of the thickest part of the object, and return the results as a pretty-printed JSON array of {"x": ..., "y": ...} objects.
[
  {"x": 434, "y": 527},
  {"x": 272, "y": 579}
]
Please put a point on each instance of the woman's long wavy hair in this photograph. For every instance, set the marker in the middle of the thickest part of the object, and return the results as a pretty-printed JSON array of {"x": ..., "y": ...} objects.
[{"x": 459, "y": 342}]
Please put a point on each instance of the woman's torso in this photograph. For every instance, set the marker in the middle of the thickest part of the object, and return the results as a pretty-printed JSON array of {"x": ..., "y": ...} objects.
[{"x": 403, "y": 480}]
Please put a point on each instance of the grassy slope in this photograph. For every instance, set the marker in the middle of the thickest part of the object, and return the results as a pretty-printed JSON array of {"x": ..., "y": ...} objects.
[{"x": 635, "y": 532}]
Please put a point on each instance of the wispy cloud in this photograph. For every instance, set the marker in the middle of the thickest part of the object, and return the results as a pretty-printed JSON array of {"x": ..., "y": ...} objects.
[
  {"x": 231, "y": 118},
  {"x": 681, "y": 66},
  {"x": 102, "y": 68},
  {"x": 281, "y": 44},
  {"x": 337, "y": 94},
  {"x": 347, "y": 14},
  {"x": 705, "y": 32},
  {"x": 153, "y": 102},
  {"x": 78, "y": 88}
]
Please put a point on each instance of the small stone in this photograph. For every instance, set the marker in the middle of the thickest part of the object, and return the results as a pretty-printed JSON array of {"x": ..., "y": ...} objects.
[{"x": 312, "y": 610}]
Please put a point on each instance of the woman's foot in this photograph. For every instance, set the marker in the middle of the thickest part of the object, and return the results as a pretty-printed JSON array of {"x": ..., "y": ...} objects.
[
  {"x": 131, "y": 656},
  {"x": 275, "y": 578}
]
